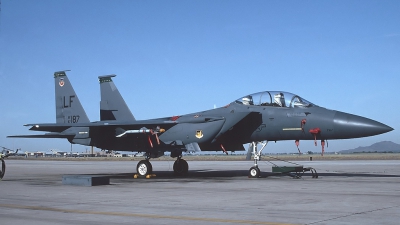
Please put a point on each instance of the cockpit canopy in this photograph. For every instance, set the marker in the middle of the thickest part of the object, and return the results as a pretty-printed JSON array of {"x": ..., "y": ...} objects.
[{"x": 275, "y": 98}]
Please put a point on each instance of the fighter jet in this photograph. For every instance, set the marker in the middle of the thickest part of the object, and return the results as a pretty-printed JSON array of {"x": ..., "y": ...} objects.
[{"x": 255, "y": 118}]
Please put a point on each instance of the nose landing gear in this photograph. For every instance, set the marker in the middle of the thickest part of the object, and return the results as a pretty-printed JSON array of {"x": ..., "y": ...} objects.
[
  {"x": 254, "y": 171},
  {"x": 299, "y": 170}
]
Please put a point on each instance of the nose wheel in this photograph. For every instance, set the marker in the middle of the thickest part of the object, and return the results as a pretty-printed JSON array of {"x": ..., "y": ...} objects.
[{"x": 254, "y": 172}]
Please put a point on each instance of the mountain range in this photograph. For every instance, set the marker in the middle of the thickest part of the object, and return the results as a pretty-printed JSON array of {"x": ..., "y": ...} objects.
[{"x": 383, "y": 146}]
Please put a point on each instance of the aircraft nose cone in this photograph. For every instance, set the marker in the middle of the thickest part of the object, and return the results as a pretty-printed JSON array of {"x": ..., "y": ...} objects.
[{"x": 352, "y": 126}]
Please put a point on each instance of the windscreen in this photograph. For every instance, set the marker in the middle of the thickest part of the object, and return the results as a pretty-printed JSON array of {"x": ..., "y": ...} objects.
[{"x": 274, "y": 98}]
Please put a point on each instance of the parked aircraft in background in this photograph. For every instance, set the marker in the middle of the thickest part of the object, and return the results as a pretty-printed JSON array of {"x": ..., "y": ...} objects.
[
  {"x": 6, "y": 152},
  {"x": 260, "y": 117}
]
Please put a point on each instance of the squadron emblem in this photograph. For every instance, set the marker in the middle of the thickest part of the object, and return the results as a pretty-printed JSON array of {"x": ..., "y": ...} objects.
[
  {"x": 199, "y": 134},
  {"x": 61, "y": 82}
]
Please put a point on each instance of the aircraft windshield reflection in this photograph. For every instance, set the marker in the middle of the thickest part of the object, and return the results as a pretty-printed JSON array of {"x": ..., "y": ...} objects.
[{"x": 275, "y": 98}]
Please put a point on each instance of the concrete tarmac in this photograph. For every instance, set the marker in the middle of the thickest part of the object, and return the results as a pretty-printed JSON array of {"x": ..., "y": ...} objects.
[{"x": 213, "y": 192}]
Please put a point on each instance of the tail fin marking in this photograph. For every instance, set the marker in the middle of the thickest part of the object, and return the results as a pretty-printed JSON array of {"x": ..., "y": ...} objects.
[{"x": 68, "y": 107}]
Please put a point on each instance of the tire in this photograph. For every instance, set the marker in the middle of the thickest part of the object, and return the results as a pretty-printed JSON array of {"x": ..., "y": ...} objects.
[
  {"x": 181, "y": 167},
  {"x": 254, "y": 172},
  {"x": 3, "y": 169},
  {"x": 144, "y": 168}
]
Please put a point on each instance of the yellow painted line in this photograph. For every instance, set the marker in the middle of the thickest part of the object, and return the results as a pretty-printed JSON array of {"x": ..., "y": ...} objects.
[
  {"x": 292, "y": 129},
  {"x": 152, "y": 216}
]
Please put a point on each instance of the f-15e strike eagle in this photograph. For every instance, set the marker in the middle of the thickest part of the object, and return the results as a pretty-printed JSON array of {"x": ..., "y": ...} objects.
[{"x": 260, "y": 117}]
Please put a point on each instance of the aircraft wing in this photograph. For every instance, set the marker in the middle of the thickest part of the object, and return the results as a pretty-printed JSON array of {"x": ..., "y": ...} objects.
[
  {"x": 164, "y": 123},
  {"x": 227, "y": 130}
]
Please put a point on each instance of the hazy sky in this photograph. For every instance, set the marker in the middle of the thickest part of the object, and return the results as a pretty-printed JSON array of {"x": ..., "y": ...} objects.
[{"x": 178, "y": 57}]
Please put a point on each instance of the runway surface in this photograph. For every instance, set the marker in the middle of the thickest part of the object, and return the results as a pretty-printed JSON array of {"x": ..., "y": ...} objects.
[{"x": 217, "y": 192}]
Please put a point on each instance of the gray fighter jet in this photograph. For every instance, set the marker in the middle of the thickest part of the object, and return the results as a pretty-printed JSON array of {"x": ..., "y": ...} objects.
[{"x": 260, "y": 117}]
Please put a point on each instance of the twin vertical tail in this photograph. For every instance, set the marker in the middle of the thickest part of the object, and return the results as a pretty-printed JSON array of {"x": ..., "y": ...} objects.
[
  {"x": 112, "y": 105},
  {"x": 68, "y": 107}
]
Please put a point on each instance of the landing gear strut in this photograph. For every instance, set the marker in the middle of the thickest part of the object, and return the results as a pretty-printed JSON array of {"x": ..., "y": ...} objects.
[
  {"x": 254, "y": 171},
  {"x": 181, "y": 167}
]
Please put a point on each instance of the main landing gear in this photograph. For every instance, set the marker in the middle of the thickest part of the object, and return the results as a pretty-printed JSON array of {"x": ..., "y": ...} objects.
[
  {"x": 3, "y": 168},
  {"x": 181, "y": 167},
  {"x": 145, "y": 169},
  {"x": 254, "y": 171},
  {"x": 3, "y": 164}
]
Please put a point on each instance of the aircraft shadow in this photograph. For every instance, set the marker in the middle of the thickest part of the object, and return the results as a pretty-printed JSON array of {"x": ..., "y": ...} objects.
[{"x": 211, "y": 174}]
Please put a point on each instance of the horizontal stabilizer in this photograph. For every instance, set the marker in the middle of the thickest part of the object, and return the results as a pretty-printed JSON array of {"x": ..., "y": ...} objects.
[
  {"x": 49, "y": 135},
  {"x": 49, "y": 127}
]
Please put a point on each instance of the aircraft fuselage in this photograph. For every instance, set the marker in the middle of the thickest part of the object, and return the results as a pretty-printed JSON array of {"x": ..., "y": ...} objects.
[{"x": 237, "y": 124}]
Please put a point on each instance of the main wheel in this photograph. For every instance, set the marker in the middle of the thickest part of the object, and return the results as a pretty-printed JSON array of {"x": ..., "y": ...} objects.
[
  {"x": 144, "y": 168},
  {"x": 181, "y": 167},
  {"x": 3, "y": 169},
  {"x": 254, "y": 172}
]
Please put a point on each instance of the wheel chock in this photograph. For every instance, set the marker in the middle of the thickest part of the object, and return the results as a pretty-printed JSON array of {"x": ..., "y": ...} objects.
[
  {"x": 147, "y": 176},
  {"x": 150, "y": 176}
]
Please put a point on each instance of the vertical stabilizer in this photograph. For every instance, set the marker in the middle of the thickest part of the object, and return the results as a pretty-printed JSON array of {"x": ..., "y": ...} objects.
[
  {"x": 112, "y": 105},
  {"x": 68, "y": 106}
]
